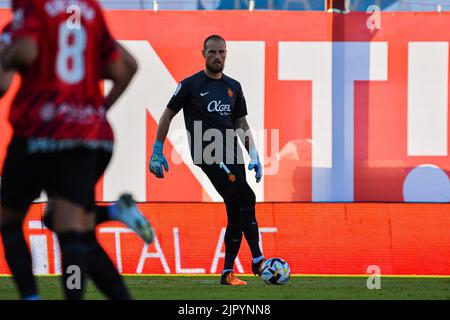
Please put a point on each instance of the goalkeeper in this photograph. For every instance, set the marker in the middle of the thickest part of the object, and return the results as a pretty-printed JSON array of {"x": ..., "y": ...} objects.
[{"x": 215, "y": 103}]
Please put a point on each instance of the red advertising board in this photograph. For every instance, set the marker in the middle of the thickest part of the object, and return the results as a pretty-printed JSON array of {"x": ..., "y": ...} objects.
[{"x": 325, "y": 238}]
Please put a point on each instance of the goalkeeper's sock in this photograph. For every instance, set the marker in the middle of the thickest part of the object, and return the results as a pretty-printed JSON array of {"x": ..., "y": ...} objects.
[
  {"x": 233, "y": 239},
  {"x": 250, "y": 229},
  {"x": 19, "y": 260},
  {"x": 103, "y": 272},
  {"x": 74, "y": 251},
  {"x": 224, "y": 271},
  {"x": 258, "y": 259},
  {"x": 251, "y": 233}
]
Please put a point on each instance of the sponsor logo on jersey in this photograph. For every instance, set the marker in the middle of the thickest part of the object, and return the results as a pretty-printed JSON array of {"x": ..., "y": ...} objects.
[
  {"x": 217, "y": 106},
  {"x": 71, "y": 113},
  {"x": 47, "y": 112},
  {"x": 46, "y": 144}
]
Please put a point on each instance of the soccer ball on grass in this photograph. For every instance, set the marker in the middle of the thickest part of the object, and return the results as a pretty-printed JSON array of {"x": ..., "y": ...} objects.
[{"x": 275, "y": 271}]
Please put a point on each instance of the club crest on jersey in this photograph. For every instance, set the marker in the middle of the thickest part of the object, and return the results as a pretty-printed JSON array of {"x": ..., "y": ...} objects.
[
  {"x": 217, "y": 106},
  {"x": 230, "y": 92}
]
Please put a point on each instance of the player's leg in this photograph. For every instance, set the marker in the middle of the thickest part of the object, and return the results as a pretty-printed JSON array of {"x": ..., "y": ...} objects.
[
  {"x": 100, "y": 214},
  {"x": 20, "y": 185},
  {"x": 101, "y": 269},
  {"x": 96, "y": 262},
  {"x": 124, "y": 210},
  {"x": 233, "y": 240},
  {"x": 233, "y": 234},
  {"x": 103, "y": 272},
  {"x": 70, "y": 182},
  {"x": 246, "y": 200},
  {"x": 80, "y": 248},
  {"x": 17, "y": 253},
  {"x": 71, "y": 227}
]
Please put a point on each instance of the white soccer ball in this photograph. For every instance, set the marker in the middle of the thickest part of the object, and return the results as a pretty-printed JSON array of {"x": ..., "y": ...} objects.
[{"x": 275, "y": 271}]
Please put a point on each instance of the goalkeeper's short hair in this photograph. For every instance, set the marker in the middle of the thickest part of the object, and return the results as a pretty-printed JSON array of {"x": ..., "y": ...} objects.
[{"x": 212, "y": 37}]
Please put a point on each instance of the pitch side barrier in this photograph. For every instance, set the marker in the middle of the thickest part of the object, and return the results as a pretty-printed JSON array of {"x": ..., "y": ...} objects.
[{"x": 315, "y": 238}]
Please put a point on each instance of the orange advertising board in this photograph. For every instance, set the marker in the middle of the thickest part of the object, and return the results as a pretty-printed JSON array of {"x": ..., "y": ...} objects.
[{"x": 402, "y": 239}]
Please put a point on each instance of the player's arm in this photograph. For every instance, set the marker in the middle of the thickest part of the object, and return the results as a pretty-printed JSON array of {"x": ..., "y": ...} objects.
[
  {"x": 121, "y": 71},
  {"x": 244, "y": 133},
  {"x": 157, "y": 159},
  {"x": 22, "y": 35},
  {"x": 6, "y": 77},
  {"x": 20, "y": 54},
  {"x": 164, "y": 124},
  {"x": 246, "y": 137}
]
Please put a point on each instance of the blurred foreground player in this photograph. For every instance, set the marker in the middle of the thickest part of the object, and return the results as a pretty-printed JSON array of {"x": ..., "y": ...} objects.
[
  {"x": 125, "y": 209},
  {"x": 59, "y": 129},
  {"x": 215, "y": 103}
]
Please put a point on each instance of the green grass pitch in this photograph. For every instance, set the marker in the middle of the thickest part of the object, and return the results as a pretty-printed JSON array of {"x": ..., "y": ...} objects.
[{"x": 298, "y": 288}]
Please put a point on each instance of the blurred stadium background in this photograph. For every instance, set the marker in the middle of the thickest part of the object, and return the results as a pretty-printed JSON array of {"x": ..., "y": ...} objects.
[
  {"x": 319, "y": 5},
  {"x": 397, "y": 216}
]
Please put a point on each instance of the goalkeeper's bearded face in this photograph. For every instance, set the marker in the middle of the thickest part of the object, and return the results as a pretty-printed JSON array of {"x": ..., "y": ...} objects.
[{"x": 215, "y": 54}]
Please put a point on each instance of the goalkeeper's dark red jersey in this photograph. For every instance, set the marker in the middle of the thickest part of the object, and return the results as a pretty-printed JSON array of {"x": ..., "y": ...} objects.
[{"x": 60, "y": 97}]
